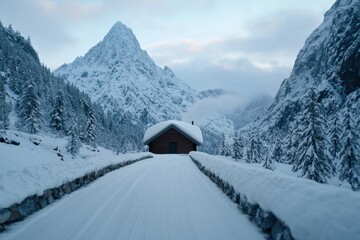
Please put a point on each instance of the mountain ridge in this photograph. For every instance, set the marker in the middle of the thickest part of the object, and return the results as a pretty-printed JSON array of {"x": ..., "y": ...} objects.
[
  {"x": 124, "y": 79},
  {"x": 319, "y": 101}
]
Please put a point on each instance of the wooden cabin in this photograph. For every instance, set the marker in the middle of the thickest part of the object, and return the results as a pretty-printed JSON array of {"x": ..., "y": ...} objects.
[{"x": 173, "y": 137}]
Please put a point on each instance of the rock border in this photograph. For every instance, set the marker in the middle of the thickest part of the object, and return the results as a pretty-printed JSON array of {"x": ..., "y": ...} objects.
[
  {"x": 272, "y": 226},
  {"x": 19, "y": 211}
]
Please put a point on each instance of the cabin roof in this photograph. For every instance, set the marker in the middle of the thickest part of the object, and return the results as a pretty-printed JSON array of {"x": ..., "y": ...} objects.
[{"x": 192, "y": 132}]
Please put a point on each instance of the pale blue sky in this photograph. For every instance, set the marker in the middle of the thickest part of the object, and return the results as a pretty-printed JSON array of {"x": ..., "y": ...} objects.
[{"x": 244, "y": 45}]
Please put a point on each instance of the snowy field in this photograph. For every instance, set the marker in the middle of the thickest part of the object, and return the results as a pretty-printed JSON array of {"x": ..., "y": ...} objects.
[
  {"x": 29, "y": 169},
  {"x": 311, "y": 210},
  {"x": 165, "y": 197}
]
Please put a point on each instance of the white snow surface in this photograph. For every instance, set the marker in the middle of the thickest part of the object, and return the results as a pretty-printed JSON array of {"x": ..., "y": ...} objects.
[
  {"x": 189, "y": 130},
  {"x": 30, "y": 169},
  {"x": 311, "y": 210},
  {"x": 165, "y": 197}
]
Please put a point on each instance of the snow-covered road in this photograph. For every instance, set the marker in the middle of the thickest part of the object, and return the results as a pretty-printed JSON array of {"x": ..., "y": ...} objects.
[{"x": 166, "y": 197}]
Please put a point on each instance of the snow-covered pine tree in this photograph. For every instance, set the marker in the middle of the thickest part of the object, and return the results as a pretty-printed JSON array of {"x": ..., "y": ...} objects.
[
  {"x": 349, "y": 154},
  {"x": 277, "y": 153},
  {"x": 250, "y": 151},
  {"x": 313, "y": 162},
  {"x": 73, "y": 145},
  {"x": 288, "y": 150},
  {"x": 222, "y": 146},
  {"x": 335, "y": 144},
  {"x": 28, "y": 108},
  {"x": 57, "y": 115},
  {"x": 4, "y": 108},
  {"x": 255, "y": 150},
  {"x": 259, "y": 149},
  {"x": 238, "y": 147},
  {"x": 225, "y": 148},
  {"x": 269, "y": 164},
  {"x": 90, "y": 134},
  {"x": 294, "y": 141}
]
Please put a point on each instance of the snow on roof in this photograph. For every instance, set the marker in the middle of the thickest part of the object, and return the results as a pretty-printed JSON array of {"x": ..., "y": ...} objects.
[{"x": 190, "y": 131}]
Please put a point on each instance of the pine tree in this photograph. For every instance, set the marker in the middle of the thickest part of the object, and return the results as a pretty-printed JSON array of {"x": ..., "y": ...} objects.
[
  {"x": 29, "y": 108},
  {"x": 224, "y": 148},
  {"x": 313, "y": 163},
  {"x": 4, "y": 108},
  {"x": 238, "y": 147},
  {"x": 254, "y": 152},
  {"x": 349, "y": 155},
  {"x": 292, "y": 155},
  {"x": 335, "y": 144},
  {"x": 277, "y": 153},
  {"x": 289, "y": 149},
  {"x": 269, "y": 164},
  {"x": 57, "y": 115},
  {"x": 90, "y": 135},
  {"x": 74, "y": 144}
]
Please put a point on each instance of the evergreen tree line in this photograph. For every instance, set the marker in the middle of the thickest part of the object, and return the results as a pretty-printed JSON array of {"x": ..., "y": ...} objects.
[
  {"x": 44, "y": 102},
  {"x": 319, "y": 147}
]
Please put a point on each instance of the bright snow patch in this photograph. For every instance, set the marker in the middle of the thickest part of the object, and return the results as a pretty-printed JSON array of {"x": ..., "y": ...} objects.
[
  {"x": 30, "y": 169},
  {"x": 311, "y": 210},
  {"x": 191, "y": 131}
]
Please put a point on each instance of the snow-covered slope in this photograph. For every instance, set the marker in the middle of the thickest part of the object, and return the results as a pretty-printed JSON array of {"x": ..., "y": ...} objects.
[
  {"x": 324, "y": 83},
  {"x": 214, "y": 128},
  {"x": 248, "y": 113},
  {"x": 40, "y": 162},
  {"x": 328, "y": 62},
  {"x": 122, "y": 77}
]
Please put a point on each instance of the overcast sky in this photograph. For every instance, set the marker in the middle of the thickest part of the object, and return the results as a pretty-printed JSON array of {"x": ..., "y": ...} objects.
[{"x": 248, "y": 46}]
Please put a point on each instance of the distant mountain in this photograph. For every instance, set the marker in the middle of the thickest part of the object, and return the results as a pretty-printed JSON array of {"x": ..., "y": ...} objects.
[
  {"x": 212, "y": 93},
  {"x": 252, "y": 110},
  {"x": 320, "y": 101},
  {"x": 124, "y": 80},
  {"x": 329, "y": 63},
  {"x": 215, "y": 127}
]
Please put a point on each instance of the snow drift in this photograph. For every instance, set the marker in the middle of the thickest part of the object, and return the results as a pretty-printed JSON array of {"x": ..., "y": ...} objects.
[{"x": 311, "y": 210}]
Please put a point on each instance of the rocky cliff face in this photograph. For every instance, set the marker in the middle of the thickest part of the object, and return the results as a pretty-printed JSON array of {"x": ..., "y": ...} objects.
[
  {"x": 313, "y": 123},
  {"x": 329, "y": 63},
  {"x": 122, "y": 77}
]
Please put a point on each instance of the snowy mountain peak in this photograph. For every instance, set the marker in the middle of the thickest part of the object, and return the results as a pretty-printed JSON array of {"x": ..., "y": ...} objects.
[
  {"x": 119, "y": 46},
  {"x": 121, "y": 37},
  {"x": 122, "y": 77}
]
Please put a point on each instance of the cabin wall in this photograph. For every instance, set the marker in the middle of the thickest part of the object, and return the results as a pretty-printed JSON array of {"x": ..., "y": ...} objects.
[{"x": 161, "y": 144}]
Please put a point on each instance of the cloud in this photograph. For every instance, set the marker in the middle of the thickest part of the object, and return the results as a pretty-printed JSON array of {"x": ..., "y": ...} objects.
[
  {"x": 252, "y": 63},
  {"x": 241, "y": 76},
  {"x": 207, "y": 107},
  {"x": 69, "y": 9},
  {"x": 277, "y": 36}
]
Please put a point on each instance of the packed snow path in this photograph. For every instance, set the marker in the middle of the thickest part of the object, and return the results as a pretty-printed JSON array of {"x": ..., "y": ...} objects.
[{"x": 166, "y": 197}]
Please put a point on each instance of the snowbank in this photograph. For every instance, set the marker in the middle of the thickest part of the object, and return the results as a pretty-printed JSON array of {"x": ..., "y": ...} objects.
[
  {"x": 311, "y": 210},
  {"x": 35, "y": 165},
  {"x": 191, "y": 131}
]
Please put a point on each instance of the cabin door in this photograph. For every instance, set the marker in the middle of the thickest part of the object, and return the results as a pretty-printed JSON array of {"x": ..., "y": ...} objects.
[{"x": 172, "y": 147}]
